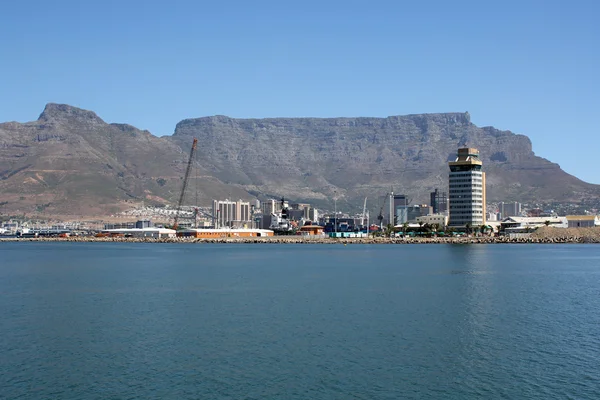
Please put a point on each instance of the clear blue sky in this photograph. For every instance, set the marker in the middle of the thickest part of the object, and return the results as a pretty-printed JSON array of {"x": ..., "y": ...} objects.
[{"x": 527, "y": 66}]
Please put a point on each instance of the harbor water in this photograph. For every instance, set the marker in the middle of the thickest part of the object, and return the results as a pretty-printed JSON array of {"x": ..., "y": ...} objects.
[{"x": 243, "y": 321}]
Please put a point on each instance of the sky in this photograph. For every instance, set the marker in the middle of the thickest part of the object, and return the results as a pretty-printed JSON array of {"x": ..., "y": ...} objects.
[{"x": 527, "y": 66}]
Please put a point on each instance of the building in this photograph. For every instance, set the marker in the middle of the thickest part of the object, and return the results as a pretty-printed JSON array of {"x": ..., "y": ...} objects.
[
  {"x": 313, "y": 214},
  {"x": 143, "y": 223},
  {"x": 224, "y": 233},
  {"x": 438, "y": 202},
  {"x": 509, "y": 209},
  {"x": 231, "y": 214},
  {"x": 271, "y": 206},
  {"x": 583, "y": 221},
  {"x": 312, "y": 230},
  {"x": 467, "y": 189},
  {"x": 416, "y": 211},
  {"x": 434, "y": 219},
  {"x": 120, "y": 225},
  {"x": 400, "y": 209},
  {"x": 529, "y": 224},
  {"x": 148, "y": 232},
  {"x": 491, "y": 216}
]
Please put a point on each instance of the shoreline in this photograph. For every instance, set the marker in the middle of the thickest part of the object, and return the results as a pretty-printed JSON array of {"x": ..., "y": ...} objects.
[{"x": 308, "y": 240}]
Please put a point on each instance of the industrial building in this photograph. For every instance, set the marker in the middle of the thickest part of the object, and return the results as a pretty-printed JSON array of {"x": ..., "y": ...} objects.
[
  {"x": 467, "y": 189},
  {"x": 583, "y": 221}
]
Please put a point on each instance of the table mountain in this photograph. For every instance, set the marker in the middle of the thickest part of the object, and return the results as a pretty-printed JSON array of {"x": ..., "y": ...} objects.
[
  {"x": 315, "y": 159},
  {"x": 71, "y": 162}
]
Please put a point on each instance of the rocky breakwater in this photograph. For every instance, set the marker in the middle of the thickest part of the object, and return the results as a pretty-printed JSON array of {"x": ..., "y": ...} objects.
[{"x": 539, "y": 239}]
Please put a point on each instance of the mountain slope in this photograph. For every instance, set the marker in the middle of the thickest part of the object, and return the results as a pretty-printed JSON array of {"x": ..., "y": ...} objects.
[
  {"x": 71, "y": 162},
  {"x": 315, "y": 159}
]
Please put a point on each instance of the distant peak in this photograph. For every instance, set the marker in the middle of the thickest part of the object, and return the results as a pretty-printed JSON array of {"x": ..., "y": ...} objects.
[{"x": 54, "y": 111}]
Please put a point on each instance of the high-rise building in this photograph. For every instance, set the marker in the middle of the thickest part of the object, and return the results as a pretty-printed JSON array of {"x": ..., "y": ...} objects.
[
  {"x": 400, "y": 209},
  {"x": 233, "y": 214},
  {"x": 416, "y": 211},
  {"x": 438, "y": 202},
  {"x": 467, "y": 189},
  {"x": 509, "y": 209},
  {"x": 271, "y": 206}
]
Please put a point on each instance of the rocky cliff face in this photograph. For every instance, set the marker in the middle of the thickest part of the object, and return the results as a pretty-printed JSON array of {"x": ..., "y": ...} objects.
[
  {"x": 71, "y": 162},
  {"x": 314, "y": 159}
]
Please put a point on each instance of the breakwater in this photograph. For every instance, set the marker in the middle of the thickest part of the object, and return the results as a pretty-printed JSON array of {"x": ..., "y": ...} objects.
[{"x": 326, "y": 240}]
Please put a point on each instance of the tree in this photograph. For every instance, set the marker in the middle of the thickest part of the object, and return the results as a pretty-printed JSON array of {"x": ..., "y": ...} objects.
[
  {"x": 468, "y": 228},
  {"x": 404, "y": 227},
  {"x": 389, "y": 229}
]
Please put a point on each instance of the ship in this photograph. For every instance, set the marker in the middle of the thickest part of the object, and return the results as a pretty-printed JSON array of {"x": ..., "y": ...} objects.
[{"x": 280, "y": 222}]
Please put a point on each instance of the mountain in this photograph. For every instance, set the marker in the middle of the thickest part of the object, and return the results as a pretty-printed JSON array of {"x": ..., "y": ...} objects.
[
  {"x": 71, "y": 162},
  {"x": 315, "y": 159}
]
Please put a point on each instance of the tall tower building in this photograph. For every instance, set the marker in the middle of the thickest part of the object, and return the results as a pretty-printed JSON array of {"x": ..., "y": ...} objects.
[{"x": 467, "y": 189}]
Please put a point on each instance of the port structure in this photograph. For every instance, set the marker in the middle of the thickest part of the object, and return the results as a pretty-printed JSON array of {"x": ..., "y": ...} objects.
[{"x": 186, "y": 178}]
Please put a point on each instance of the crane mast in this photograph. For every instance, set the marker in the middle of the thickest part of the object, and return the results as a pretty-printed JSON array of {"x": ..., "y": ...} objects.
[{"x": 185, "y": 182}]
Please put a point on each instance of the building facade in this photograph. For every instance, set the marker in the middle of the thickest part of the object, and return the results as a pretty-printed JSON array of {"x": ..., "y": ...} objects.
[
  {"x": 271, "y": 206},
  {"x": 434, "y": 219},
  {"x": 509, "y": 209},
  {"x": 231, "y": 214},
  {"x": 438, "y": 202},
  {"x": 583, "y": 221},
  {"x": 467, "y": 189},
  {"x": 416, "y": 211},
  {"x": 400, "y": 209}
]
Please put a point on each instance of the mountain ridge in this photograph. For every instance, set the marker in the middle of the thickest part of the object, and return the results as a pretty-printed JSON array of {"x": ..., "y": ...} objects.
[{"x": 71, "y": 161}]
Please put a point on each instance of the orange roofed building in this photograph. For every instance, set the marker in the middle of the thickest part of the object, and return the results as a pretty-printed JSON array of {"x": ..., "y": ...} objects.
[{"x": 311, "y": 230}]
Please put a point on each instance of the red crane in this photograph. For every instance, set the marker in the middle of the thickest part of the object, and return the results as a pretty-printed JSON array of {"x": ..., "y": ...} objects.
[{"x": 185, "y": 182}]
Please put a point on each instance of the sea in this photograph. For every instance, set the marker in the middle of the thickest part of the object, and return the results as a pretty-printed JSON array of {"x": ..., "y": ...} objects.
[{"x": 299, "y": 321}]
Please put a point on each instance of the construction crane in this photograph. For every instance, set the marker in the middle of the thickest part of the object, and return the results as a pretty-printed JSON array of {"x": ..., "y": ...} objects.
[{"x": 185, "y": 182}]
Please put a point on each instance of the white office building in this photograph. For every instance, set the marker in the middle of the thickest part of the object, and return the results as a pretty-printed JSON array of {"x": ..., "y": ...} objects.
[
  {"x": 231, "y": 214},
  {"x": 467, "y": 189}
]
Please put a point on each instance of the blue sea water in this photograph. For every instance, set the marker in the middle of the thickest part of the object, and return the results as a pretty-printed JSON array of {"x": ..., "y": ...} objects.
[{"x": 189, "y": 321}]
